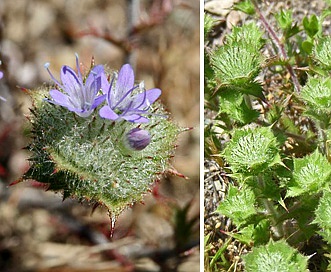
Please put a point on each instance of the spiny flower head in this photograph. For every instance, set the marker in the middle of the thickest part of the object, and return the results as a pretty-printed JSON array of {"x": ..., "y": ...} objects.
[
  {"x": 124, "y": 102},
  {"x": 75, "y": 94},
  {"x": 106, "y": 162}
]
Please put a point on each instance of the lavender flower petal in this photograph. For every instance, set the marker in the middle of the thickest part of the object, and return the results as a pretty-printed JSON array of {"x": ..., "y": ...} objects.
[
  {"x": 147, "y": 98},
  {"x": 135, "y": 118},
  {"x": 125, "y": 80},
  {"x": 75, "y": 95},
  {"x": 122, "y": 100},
  {"x": 108, "y": 113},
  {"x": 59, "y": 98}
]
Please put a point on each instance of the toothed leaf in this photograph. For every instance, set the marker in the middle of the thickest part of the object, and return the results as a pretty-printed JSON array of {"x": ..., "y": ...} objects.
[
  {"x": 252, "y": 151},
  {"x": 275, "y": 257}
]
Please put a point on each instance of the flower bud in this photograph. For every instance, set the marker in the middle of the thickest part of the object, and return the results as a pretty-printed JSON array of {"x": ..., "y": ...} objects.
[{"x": 138, "y": 139}]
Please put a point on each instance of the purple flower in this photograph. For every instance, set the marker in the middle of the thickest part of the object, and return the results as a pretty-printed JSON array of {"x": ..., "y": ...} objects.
[
  {"x": 138, "y": 139},
  {"x": 77, "y": 95},
  {"x": 124, "y": 100}
]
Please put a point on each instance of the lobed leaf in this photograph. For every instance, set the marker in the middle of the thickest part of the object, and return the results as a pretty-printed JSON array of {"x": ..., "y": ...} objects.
[
  {"x": 311, "y": 25},
  {"x": 245, "y": 6},
  {"x": 275, "y": 257},
  {"x": 233, "y": 104},
  {"x": 238, "y": 62},
  {"x": 310, "y": 175},
  {"x": 317, "y": 94},
  {"x": 323, "y": 216},
  {"x": 322, "y": 52},
  {"x": 252, "y": 151},
  {"x": 239, "y": 205},
  {"x": 249, "y": 35}
]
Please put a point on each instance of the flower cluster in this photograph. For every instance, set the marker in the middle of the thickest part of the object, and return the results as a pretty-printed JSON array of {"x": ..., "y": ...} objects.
[
  {"x": 125, "y": 101},
  {"x": 96, "y": 137}
]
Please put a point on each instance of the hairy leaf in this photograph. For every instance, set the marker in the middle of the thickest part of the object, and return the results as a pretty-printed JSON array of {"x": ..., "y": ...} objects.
[
  {"x": 323, "y": 216},
  {"x": 238, "y": 205},
  {"x": 322, "y": 52},
  {"x": 275, "y": 257},
  {"x": 252, "y": 151},
  {"x": 317, "y": 94},
  {"x": 310, "y": 175}
]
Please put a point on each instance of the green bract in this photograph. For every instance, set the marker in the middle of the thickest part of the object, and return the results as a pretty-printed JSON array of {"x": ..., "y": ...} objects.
[
  {"x": 275, "y": 257},
  {"x": 310, "y": 174},
  {"x": 252, "y": 151},
  {"x": 89, "y": 159}
]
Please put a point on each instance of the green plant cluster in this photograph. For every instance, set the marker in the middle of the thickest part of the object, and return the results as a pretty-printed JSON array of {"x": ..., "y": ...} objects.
[
  {"x": 88, "y": 158},
  {"x": 269, "y": 88}
]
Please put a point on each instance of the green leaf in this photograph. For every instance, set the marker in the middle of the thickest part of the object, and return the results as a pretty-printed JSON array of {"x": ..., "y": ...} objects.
[
  {"x": 209, "y": 23},
  {"x": 311, "y": 25},
  {"x": 244, "y": 235},
  {"x": 323, "y": 216},
  {"x": 235, "y": 65},
  {"x": 245, "y": 6},
  {"x": 275, "y": 257},
  {"x": 256, "y": 234},
  {"x": 238, "y": 62},
  {"x": 233, "y": 104},
  {"x": 322, "y": 52},
  {"x": 252, "y": 151},
  {"x": 239, "y": 205},
  {"x": 269, "y": 189},
  {"x": 310, "y": 174},
  {"x": 317, "y": 94},
  {"x": 307, "y": 46},
  {"x": 261, "y": 234},
  {"x": 285, "y": 22},
  {"x": 284, "y": 19},
  {"x": 249, "y": 34},
  {"x": 219, "y": 255}
]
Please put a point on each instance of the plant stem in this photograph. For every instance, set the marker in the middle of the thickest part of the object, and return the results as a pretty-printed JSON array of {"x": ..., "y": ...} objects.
[
  {"x": 271, "y": 211},
  {"x": 279, "y": 45}
]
